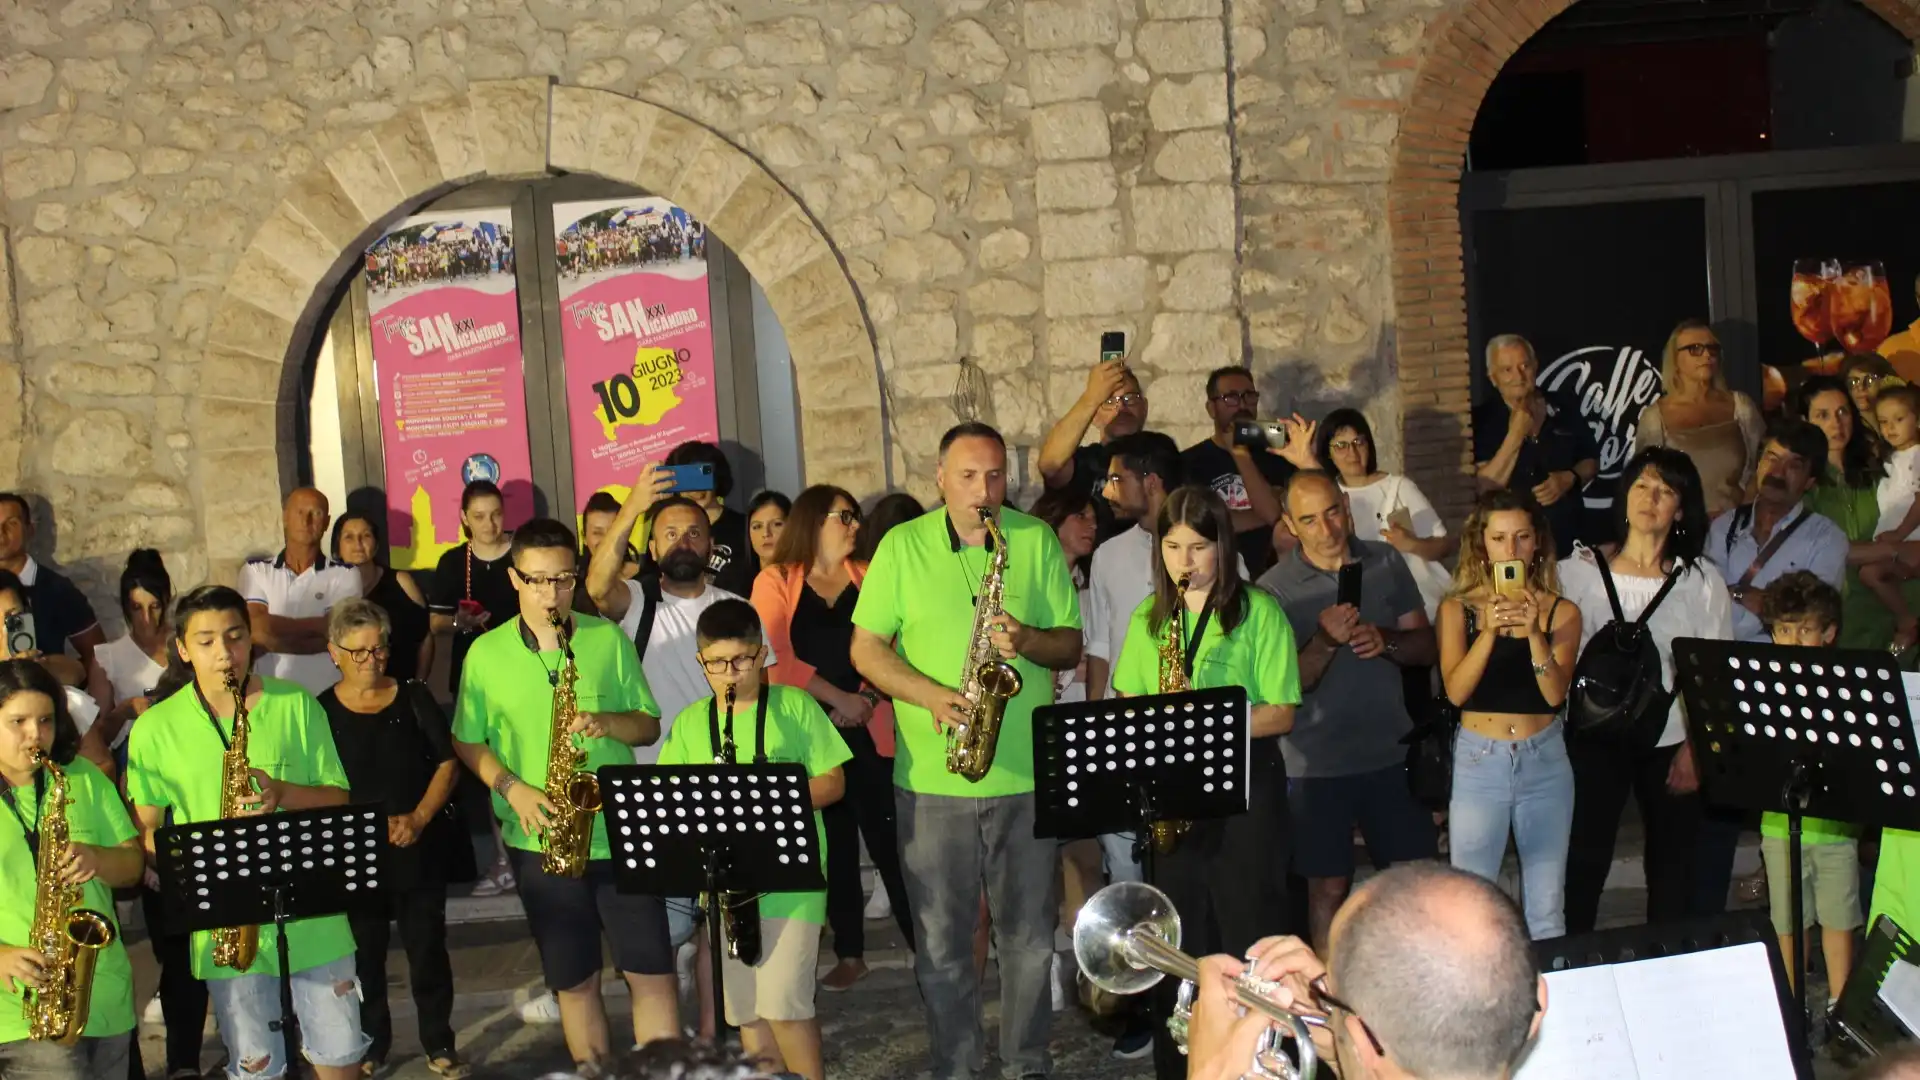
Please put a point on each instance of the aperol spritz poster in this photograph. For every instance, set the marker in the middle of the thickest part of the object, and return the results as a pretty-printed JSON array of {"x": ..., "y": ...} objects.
[{"x": 635, "y": 327}]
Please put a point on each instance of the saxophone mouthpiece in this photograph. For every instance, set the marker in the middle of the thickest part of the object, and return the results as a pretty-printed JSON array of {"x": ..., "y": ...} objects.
[
  {"x": 729, "y": 699},
  {"x": 986, "y": 512},
  {"x": 1186, "y": 582}
]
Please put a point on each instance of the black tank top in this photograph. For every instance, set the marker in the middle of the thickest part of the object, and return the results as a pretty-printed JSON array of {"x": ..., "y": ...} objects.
[{"x": 1508, "y": 685}]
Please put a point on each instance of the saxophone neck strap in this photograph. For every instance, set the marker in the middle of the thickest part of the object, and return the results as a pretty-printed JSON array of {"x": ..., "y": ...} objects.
[
  {"x": 1192, "y": 648},
  {"x": 31, "y": 832},
  {"x": 759, "y": 729},
  {"x": 213, "y": 717}
]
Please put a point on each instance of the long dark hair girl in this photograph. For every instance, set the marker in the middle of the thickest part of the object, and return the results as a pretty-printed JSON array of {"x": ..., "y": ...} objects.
[
  {"x": 799, "y": 542},
  {"x": 1860, "y": 460},
  {"x": 1687, "y": 539},
  {"x": 1199, "y": 509}
]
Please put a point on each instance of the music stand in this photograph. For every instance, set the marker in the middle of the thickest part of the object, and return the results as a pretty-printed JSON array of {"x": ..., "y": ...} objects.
[
  {"x": 1121, "y": 764},
  {"x": 273, "y": 869},
  {"x": 1804, "y": 732},
  {"x": 1859, "y": 1014},
  {"x": 683, "y": 830}
]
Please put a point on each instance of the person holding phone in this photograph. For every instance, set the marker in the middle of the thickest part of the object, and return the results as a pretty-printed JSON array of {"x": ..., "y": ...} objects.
[
  {"x": 703, "y": 475},
  {"x": 1114, "y": 403},
  {"x": 1508, "y": 642}
]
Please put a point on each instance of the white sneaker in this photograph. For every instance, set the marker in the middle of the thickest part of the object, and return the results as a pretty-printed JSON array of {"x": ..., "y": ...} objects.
[
  {"x": 152, "y": 1013},
  {"x": 544, "y": 1009},
  {"x": 1057, "y": 981},
  {"x": 878, "y": 905}
]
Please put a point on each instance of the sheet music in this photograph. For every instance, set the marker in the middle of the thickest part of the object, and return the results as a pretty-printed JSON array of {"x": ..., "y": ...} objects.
[
  {"x": 1711, "y": 1013},
  {"x": 1910, "y": 681},
  {"x": 1584, "y": 1034},
  {"x": 1900, "y": 990}
]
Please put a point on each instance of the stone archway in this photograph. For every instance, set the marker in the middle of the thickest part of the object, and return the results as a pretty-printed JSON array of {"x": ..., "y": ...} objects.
[
  {"x": 1465, "y": 51},
  {"x": 279, "y": 288}
]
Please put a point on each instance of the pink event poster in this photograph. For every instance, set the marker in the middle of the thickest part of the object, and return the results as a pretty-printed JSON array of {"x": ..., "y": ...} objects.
[
  {"x": 446, "y": 357},
  {"x": 635, "y": 329}
]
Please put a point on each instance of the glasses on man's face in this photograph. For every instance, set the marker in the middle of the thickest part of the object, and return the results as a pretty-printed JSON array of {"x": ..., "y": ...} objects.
[
  {"x": 739, "y": 665},
  {"x": 1327, "y": 1003},
  {"x": 361, "y": 656},
  {"x": 1701, "y": 348},
  {"x": 1126, "y": 400},
  {"x": 1358, "y": 442},
  {"x": 556, "y": 582},
  {"x": 848, "y": 518},
  {"x": 1239, "y": 398}
]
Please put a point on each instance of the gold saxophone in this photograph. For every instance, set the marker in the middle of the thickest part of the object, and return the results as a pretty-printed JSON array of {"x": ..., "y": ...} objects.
[
  {"x": 987, "y": 680},
  {"x": 236, "y": 946},
  {"x": 740, "y": 912},
  {"x": 574, "y": 792},
  {"x": 69, "y": 936},
  {"x": 1173, "y": 680}
]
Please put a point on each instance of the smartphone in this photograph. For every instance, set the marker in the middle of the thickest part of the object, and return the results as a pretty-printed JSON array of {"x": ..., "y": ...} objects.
[
  {"x": 1402, "y": 517},
  {"x": 1349, "y": 584},
  {"x": 1113, "y": 345},
  {"x": 1260, "y": 433},
  {"x": 697, "y": 477},
  {"x": 21, "y": 637},
  {"x": 472, "y": 609},
  {"x": 1509, "y": 577}
]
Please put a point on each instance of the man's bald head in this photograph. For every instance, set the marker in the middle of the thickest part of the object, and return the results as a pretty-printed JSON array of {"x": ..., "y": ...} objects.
[
  {"x": 1437, "y": 962},
  {"x": 303, "y": 518}
]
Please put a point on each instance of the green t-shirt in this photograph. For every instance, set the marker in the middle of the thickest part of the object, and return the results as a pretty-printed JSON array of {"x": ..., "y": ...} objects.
[
  {"x": 174, "y": 763},
  {"x": 1896, "y": 882},
  {"x": 1258, "y": 655},
  {"x": 506, "y": 702},
  {"x": 798, "y": 732},
  {"x": 95, "y": 816},
  {"x": 921, "y": 588},
  {"x": 1813, "y": 830},
  {"x": 1865, "y": 623}
]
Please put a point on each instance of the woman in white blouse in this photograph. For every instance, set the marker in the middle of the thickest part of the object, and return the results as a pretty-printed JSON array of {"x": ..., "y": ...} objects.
[
  {"x": 1660, "y": 519},
  {"x": 1386, "y": 506},
  {"x": 128, "y": 667}
]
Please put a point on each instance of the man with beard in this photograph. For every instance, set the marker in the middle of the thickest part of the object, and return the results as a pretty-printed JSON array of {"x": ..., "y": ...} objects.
[
  {"x": 1774, "y": 534},
  {"x": 660, "y": 608},
  {"x": 1113, "y": 402},
  {"x": 1247, "y": 480}
]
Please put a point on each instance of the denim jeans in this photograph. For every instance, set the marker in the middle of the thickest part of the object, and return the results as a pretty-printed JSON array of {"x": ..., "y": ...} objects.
[
  {"x": 1524, "y": 786},
  {"x": 1117, "y": 848},
  {"x": 950, "y": 847},
  {"x": 327, "y": 1001},
  {"x": 90, "y": 1058}
]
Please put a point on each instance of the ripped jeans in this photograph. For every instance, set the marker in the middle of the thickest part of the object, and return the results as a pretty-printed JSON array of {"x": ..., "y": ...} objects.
[{"x": 327, "y": 1001}]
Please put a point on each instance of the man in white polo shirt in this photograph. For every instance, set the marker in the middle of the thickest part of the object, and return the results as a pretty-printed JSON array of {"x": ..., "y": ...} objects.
[
  {"x": 290, "y": 594},
  {"x": 1140, "y": 473}
]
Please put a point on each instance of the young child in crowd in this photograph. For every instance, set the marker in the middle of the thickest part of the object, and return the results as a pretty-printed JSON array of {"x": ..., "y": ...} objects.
[
  {"x": 1896, "y": 412},
  {"x": 771, "y": 1000},
  {"x": 1803, "y": 610}
]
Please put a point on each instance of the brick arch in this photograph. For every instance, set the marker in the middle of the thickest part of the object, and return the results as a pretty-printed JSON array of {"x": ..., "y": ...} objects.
[
  {"x": 1465, "y": 50},
  {"x": 277, "y": 297}
]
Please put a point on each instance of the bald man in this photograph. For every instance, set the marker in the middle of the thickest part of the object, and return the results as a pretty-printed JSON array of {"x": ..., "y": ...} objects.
[
  {"x": 1432, "y": 975},
  {"x": 290, "y": 594}
]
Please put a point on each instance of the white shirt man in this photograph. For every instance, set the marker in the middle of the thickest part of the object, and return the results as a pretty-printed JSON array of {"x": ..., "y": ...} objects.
[
  {"x": 309, "y": 594},
  {"x": 671, "y": 660}
]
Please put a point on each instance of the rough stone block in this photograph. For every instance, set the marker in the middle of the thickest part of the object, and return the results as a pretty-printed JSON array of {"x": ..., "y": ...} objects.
[
  {"x": 715, "y": 172},
  {"x": 1080, "y": 236},
  {"x": 922, "y": 338},
  {"x": 1180, "y": 106},
  {"x": 24, "y": 79},
  {"x": 28, "y": 171},
  {"x": 570, "y": 139},
  {"x": 512, "y": 119},
  {"x": 864, "y": 479},
  {"x": 1070, "y": 131},
  {"x": 317, "y": 199},
  {"x": 1182, "y": 342},
  {"x": 1069, "y": 75},
  {"x": 1001, "y": 346},
  {"x": 966, "y": 50},
  {"x": 839, "y": 380},
  {"x": 290, "y": 241},
  {"x": 456, "y": 145},
  {"x": 1002, "y": 296},
  {"x": 1182, "y": 47},
  {"x": 227, "y": 424},
  {"x": 407, "y": 150},
  {"x": 58, "y": 317},
  {"x": 1004, "y": 249},
  {"x": 7, "y": 333},
  {"x": 1085, "y": 185},
  {"x": 671, "y": 144},
  {"x": 105, "y": 443},
  {"x": 362, "y": 172},
  {"x": 842, "y": 434},
  {"x": 264, "y": 283},
  {"x": 1192, "y": 156},
  {"x": 239, "y": 326},
  {"x": 239, "y": 377},
  {"x": 619, "y": 133},
  {"x": 819, "y": 285},
  {"x": 1097, "y": 286},
  {"x": 832, "y": 332},
  {"x": 1200, "y": 283},
  {"x": 1183, "y": 217},
  {"x": 756, "y": 203},
  {"x": 787, "y": 245},
  {"x": 1061, "y": 24}
]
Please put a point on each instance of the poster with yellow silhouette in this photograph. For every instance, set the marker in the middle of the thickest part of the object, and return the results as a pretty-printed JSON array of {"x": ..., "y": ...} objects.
[{"x": 636, "y": 334}]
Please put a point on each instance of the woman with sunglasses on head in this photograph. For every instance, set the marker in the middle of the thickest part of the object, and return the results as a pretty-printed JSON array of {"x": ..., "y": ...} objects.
[
  {"x": 1720, "y": 429},
  {"x": 357, "y": 542},
  {"x": 1226, "y": 877},
  {"x": 805, "y": 598}
]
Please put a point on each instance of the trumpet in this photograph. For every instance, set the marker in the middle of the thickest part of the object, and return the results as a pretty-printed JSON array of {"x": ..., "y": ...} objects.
[{"x": 1127, "y": 938}]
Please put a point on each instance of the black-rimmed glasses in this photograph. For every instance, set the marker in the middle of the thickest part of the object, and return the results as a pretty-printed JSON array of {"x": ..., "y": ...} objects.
[
  {"x": 848, "y": 518},
  {"x": 1127, "y": 400},
  {"x": 361, "y": 656},
  {"x": 1239, "y": 398},
  {"x": 1701, "y": 348},
  {"x": 557, "y": 582},
  {"x": 739, "y": 665}
]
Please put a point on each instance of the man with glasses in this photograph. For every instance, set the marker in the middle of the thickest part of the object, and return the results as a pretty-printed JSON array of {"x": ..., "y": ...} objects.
[
  {"x": 1532, "y": 442},
  {"x": 501, "y": 731},
  {"x": 1429, "y": 974},
  {"x": 1246, "y": 480},
  {"x": 1114, "y": 403}
]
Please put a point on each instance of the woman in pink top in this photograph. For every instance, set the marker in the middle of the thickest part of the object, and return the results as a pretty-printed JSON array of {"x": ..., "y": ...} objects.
[{"x": 806, "y": 600}]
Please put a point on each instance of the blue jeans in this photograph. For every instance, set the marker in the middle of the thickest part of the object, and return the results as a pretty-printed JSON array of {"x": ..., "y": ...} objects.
[
  {"x": 1524, "y": 786},
  {"x": 327, "y": 1001},
  {"x": 1117, "y": 848}
]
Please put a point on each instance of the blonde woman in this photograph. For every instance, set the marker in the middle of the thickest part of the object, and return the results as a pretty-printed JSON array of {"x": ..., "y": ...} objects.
[
  {"x": 1720, "y": 429},
  {"x": 1508, "y": 642}
]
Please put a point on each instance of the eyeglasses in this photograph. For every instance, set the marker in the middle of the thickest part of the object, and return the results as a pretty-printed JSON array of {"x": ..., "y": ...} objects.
[
  {"x": 361, "y": 656},
  {"x": 1862, "y": 379},
  {"x": 1701, "y": 348},
  {"x": 1326, "y": 1002},
  {"x": 556, "y": 582},
  {"x": 1238, "y": 398},
  {"x": 1126, "y": 399},
  {"x": 848, "y": 518},
  {"x": 739, "y": 665},
  {"x": 1358, "y": 442}
]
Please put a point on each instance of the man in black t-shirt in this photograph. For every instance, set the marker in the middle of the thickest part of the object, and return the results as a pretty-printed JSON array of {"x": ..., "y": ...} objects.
[
  {"x": 733, "y": 565},
  {"x": 1112, "y": 402},
  {"x": 61, "y": 613},
  {"x": 1530, "y": 441},
  {"x": 1248, "y": 481}
]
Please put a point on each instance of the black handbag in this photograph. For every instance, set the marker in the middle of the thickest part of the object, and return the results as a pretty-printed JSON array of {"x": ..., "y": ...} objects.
[
  {"x": 445, "y": 838},
  {"x": 1430, "y": 754},
  {"x": 1618, "y": 693}
]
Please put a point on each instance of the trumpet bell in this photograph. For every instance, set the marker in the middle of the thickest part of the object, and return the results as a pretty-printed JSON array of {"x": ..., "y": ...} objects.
[{"x": 1101, "y": 933}]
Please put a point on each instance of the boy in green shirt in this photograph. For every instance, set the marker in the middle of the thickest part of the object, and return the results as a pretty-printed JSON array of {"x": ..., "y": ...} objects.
[
  {"x": 771, "y": 1001},
  {"x": 1801, "y": 609},
  {"x": 175, "y": 760},
  {"x": 102, "y": 853},
  {"x": 502, "y": 730}
]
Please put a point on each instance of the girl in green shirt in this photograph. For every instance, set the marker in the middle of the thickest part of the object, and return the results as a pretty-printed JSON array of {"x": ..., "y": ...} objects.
[
  {"x": 102, "y": 853},
  {"x": 1226, "y": 877}
]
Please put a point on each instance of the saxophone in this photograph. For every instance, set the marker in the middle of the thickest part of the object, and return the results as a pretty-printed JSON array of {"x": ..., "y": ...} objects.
[
  {"x": 739, "y": 912},
  {"x": 574, "y": 792},
  {"x": 1173, "y": 680},
  {"x": 69, "y": 936},
  {"x": 986, "y": 680},
  {"x": 236, "y": 946}
]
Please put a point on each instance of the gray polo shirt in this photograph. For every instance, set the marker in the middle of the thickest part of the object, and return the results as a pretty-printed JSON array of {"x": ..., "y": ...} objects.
[
  {"x": 1818, "y": 546},
  {"x": 1352, "y": 722}
]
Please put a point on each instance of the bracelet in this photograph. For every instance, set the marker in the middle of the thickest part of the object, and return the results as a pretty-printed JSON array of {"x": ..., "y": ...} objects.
[
  {"x": 504, "y": 783},
  {"x": 871, "y": 696}
]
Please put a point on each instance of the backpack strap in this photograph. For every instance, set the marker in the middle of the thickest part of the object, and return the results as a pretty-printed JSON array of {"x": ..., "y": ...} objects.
[
  {"x": 1613, "y": 596},
  {"x": 649, "y": 608}
]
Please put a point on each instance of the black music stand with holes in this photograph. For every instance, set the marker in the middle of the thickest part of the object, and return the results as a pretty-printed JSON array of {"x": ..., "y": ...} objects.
[
  {"x": 1860, "y": 1015},
  {"x": 683, "y": 830},
  {"x": 1804, "y": 732},
  {"x": 1121, "y": 764},
  {"x": 273, "y": 869}
]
